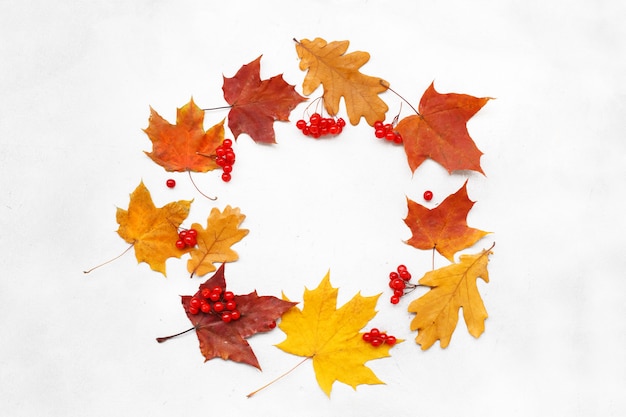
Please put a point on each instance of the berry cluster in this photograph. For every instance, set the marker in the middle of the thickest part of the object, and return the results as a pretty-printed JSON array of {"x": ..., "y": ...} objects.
[
  {"x": 385, "y": 130},
  {"x": 399, "y": 282},
  {"x": 225, "y": 158},
  {"x": 187, "y": 238},
  {"x": 319, "y": 126},
  {"x": 376, "y": 338},
  {"x": 215, "y": 301}
]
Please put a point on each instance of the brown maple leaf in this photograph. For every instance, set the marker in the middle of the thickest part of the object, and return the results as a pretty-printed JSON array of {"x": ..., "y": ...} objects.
[
  {"x": 227, "y": 340},
  {"x": 185, "y": 145},
  {"x": 443, "y": 228},
  {"x": 327, "y": 64},
  {"x": 152, "y": 231},
  {"x": 440, "y": 131},
  {"x": 452, "y": 287},
  {"x": 257, "y": 103}
]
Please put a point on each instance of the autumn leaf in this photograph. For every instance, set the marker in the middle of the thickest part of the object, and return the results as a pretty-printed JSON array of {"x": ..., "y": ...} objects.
[
  {"x": 256, "y": 104},
  {"x": 227, "y": 340},
  {"x": 452, "y": 287},
  {"x": 338, "y": 72},
  {"x": 440, "y": 131},
  {"x": 331, "y": 338},
  {"x": 152, "y": 231},
  {"x": 185, "y": 145},
  {"x": 444, "y": 227},
  {"x": 214, "y": 242}
]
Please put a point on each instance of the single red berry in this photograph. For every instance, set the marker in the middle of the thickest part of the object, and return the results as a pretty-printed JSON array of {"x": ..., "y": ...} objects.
[
  {"x": 405, "y": 275},
  {"x": 394, "y": 299},
  {"x": 190, "y": 240},
  {"x": 315, "y": 118},
  {"x": 217, "y": 289},
  {"x": 182, "y": 234},
  {"x": 367, "y": 337},
  {"x": 227, "y": 317},
  {"x": 195, "y": 302},
  {"x": 215, "y": 296},
  {"x": 192, "y": 232},
  {"x": 193, "y": 310},
  {"x": 401, "y": 268},
  {"x": 398, "y": 293},
  {"x": 218, "y": 306},
  {"x": 180, "y": 244},
  {"x": 170, "y": 183},
  {"x": 397, "y": 139},
  {"x": 393, "y": 275},
  {"x": 428, "y": 195},
  {"x": 383, "y": 336},
  {"x": 227, "y": 169},
  {"x": 205, "y": 292},
  {"x": 378, "y": 124},
  {"x": 306, "y": 131},
  {"x": 226, "y": 177},
  {"x": 235, "y": 314},
  {"x": 272, "y": 324},
  {"x": 205, "y": 307},
  {"x": 391, "y": 340},
  {"x": 376, "y": 341},
  {"x": 227, "y": 143},
  {"x": 228, "y": 295},
  {"x": 374, "y": 332},
  {"x": 231, "y": 305},
  {"x": 379, "y": 133},
  {"x": 397, "y": 284},
  {"x": 390, "y": 136},
  {"x": 341, "y": 122},
  {"x": 220, "y": 152},
  {"x": 300, "y": 124}
]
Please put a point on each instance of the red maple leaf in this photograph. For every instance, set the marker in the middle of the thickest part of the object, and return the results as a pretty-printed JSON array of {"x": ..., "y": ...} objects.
[
  {"x": 439, "y": 131},
  {"x": 257, "y": 103},
  {"x": 443, "y": 228},
  {"x": 227, "y": 340}
]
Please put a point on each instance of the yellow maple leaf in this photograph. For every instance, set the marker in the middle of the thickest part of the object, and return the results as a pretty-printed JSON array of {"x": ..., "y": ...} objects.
[
  {"x": 215, "y": 241},
  {"x": 340, "y": 77},
  {"x": 331, "y": 337},
  {"x": 152, "y": 231},
  {"x": 452, "y": 287}
]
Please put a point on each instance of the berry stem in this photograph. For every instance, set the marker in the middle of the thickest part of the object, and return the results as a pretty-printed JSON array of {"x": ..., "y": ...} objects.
[
  {"x": 110, "y": 260},
  {"x": 194, "y": 184},
  {"x": 279, "y": 377},
  {"x": 217, "y": 108},
  {"x": 163, "y": 339},
  {"x": 403, "y": 99}
]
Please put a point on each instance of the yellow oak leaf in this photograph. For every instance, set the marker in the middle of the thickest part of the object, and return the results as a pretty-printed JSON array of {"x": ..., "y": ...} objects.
[
  {"x": 452, "y": 287},
  {"x": 152, "y": 231},
  {"x": 331, "y": 337},
  {"x": 214, "y": 241},
  {"x": 340, "y": 77}
]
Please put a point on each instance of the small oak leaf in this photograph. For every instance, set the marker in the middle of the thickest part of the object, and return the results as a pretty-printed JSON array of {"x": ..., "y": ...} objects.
[
  {"x": 215, "y": 241},
  {"x": 452, "y": 287},
  {"x": 152, "y": 231}
]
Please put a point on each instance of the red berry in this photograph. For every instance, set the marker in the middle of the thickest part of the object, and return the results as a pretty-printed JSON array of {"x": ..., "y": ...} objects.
[
  {"x": 231, "y": 305},
  {"x": 300, "y": 124},
  {"x": 341, "y": 122},
  {"x": 374, "y": 332},
  {"x": 367, "y": 337},
  {"x": 227, "y": 143},
  {"x": 397, "y": 139},
  {"x": 226, "y": 177},
  {"x": 272, "y": 324},
  {"x": 394, "y": 299},
  {"x": 218, "y": 306},
  {"x": 190, "y": 240},
  {"x": 393, "y": 275},
  {"x": 378, "y": 124},
  {"x": 235, "y": 314},
  {"x": 227, "y": 169},
  {"x": 383, "y": 336},
  {"x": 214, "y": 296},
  {"x": 405, "y": 275},
  {"x": 183, "y": 233},
  {"x": 193, "y": 310},
  {"x": 390, "y": 136},
  {"x": 379, "y": 133},
  {"x": 376, "y": 341},
  {"x": 401, "y": 268},
  {"x": 170, "y": 183},
  {"x": 227, "y": 317},
  {"x": 180, "y": 244},
  {"x": 428, "y": 195},
  {"x": 205, "y": 307},
  {"x": 398, "y": 293},
  {"x": 217, "y": 289},
  {"x": 306, "y": 131},
  {"x": 206, "y": 293},
  {"x": 315, "y": 118},
  {"x": 194, "y": 302},
  {"x": 391, "y": 340},
  {"x": 192, "y": 232},
  {"x": 228, "y": 295},
  {"x": 397, "y": 284}
]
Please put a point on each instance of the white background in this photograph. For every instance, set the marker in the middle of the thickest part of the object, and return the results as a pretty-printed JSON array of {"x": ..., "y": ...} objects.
[{"x": 76, "y": 83}]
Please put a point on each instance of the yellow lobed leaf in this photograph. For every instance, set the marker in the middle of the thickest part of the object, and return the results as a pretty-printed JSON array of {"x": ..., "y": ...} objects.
[
  {"x": 215, "y": 241},
  {"x": 331, "y": 337},
  {"x": 452, "y": 287},
  {"x": 152, "y": 231}
]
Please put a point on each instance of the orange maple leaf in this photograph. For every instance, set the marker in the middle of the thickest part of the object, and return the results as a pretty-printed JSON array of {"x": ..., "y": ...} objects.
[
  {"x": 331, "y": 337},
  {"x": 185, "y": 145},
  {"x": 152, "y": 231},
  {"x": 452, "y": 287},
  {"x": 440, "y": 131},
  {"x": 443, "y": 228},
  {"x": 257, "y": 103},
  {"x": 215, "y": 241},
  {"x": 340, "y": 77}
]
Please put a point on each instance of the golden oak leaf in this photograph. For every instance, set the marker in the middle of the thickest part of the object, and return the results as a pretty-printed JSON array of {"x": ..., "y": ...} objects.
[
  {"x": 440, "y": 131},
  {"x": 443, "y": 228},
  {"x": 152, "y": 231},
  {"x": 339, "y": 75},
  {"x": 256, "y": 104},
  {"x": 185, "y": 145},
  {"x": 214, "y": 241},
  {"x": 452, "y": 287},
  {"x": 331, "y": 337}
]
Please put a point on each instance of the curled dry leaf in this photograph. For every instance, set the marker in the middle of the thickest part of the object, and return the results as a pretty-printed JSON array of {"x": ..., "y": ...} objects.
[
  {"x": 152, "y": 231},
  {"x": 215, "y": 241},
  {"x": 452, "y": 287},
  {"x": 338, "y": 72}
]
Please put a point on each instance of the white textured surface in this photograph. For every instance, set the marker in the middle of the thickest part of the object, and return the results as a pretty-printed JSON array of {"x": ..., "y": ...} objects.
[{"x": 76, "y": 80}]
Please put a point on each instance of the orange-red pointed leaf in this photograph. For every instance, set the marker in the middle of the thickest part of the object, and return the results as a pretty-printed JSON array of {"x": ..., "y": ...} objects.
[
  {"x": 227, "y": 340},
  {"x": 444, "y": 227},
  {"x": 338, "y": 72},
  {"x": 440, "y": 133},
  {"x": 257, "y": 103},
  {"x": 185, "y": 145},
  {"x": 452, "y": 287}
]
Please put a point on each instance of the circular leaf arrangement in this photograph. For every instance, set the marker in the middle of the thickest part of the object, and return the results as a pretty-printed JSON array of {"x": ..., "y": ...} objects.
[{"x": 334, "y": 338}]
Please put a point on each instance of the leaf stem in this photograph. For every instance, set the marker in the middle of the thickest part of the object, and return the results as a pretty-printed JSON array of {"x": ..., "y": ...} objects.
[
  {"x": 194, "y": 184},
  {"x": 110, "y": 260},
  {"x": 279, "y": 377},
  {"x": 163, "y": 339},
  {"x": 385, "y": 84},
  {"x": 217, "y": 108}
]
